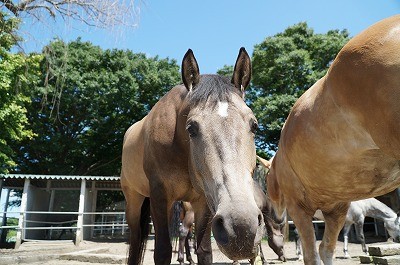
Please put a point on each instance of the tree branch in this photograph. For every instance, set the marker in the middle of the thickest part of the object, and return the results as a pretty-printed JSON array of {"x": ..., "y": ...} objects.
[
  {"x": 100, "y": 13},
  {"x": 10, "y": 6}
]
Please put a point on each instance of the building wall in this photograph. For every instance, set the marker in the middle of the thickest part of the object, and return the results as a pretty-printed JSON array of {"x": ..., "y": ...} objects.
[{"x": 38, "y": 200}]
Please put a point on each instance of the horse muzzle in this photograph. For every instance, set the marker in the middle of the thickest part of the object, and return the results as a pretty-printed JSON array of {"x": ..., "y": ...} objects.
[{"x": 238, "y": 235}]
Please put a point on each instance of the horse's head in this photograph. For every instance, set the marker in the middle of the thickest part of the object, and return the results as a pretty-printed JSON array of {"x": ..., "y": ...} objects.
[
  {"x": 276, "y": 238},
  {"x": 222, "y": 153},
  {"x": 393, "y": 228}
]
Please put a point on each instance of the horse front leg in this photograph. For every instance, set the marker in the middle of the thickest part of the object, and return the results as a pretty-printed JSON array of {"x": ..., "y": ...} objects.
[
  {"x": 334, "y": 221},
  {"x": 187, "y": 247},
  {"x": 297, "y": 241},
  {"x": 346, "y": 230},
  {"x": 161, "y": 215},
  {"x": 305, "y": 227},
  {"x": 262, "y": 258},
  {"x": 202, "y": 216},
  {"x": 183, "y": 232},
  {"x": 360, "y": 232}
]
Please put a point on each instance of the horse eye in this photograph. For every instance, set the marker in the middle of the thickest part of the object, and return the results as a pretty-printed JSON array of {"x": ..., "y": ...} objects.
[
  {"x": 192, "y": 128},
  {"x": 254, "y": 126}
]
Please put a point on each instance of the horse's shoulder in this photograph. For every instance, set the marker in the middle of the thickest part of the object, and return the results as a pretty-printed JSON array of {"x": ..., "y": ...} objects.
[
  {"x": 134, "y": 128},
  {"x": 162, "y": 118}
]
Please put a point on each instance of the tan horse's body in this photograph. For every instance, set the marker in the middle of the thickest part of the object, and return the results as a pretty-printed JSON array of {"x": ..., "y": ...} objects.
[
  {"x": 341, "y": 141},
  {"x": 195, "y": 145}
]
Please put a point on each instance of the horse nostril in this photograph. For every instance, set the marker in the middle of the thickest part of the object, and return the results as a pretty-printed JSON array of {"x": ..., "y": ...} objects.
[
  {"x": 219, "y": 231},
  {"x": 260, "y": 220}
]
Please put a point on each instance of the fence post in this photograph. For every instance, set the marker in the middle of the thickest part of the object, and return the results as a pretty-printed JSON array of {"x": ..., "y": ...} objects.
[
  {"x": 79, "y": 230},
  {"x": 1, "y": 186},
  {"x": 94, "y": 202},
  {"x": 22, "y": 215},
  {"x": 4, "y": 231}
]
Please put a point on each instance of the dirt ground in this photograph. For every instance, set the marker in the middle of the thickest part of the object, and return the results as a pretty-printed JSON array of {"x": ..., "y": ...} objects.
[{"x": 119, "y": 249}]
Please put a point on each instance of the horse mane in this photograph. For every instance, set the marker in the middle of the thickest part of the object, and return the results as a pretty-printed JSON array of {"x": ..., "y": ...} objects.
[{"x": 212, "y": 88}]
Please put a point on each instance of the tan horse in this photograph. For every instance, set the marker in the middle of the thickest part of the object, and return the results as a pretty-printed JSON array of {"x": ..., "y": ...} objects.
[
  {"x": 195, "y": 145},
  {"x": 341, "y": 141}
]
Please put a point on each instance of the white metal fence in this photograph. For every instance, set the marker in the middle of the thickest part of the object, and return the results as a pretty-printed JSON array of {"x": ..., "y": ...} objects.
[{"x": 94, "y": 225}]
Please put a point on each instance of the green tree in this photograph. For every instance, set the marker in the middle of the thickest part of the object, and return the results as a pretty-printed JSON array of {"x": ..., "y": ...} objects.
[
  {"x": 284, "y": 66},
  {"x": 227, "y": 70},
  {"x": 18, "y": 72},
  {"x": 87, "y": 99}
]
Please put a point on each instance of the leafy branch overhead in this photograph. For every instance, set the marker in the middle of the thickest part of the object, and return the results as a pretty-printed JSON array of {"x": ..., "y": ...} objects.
[
  {"x": 88, "y": 97},
  {"x": 99, "y": 13},
  {"x": 18, "y": 73}
]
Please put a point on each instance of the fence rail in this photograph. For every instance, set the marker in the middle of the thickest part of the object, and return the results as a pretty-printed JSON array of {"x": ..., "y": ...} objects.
[{"x": 101, "y": 226}]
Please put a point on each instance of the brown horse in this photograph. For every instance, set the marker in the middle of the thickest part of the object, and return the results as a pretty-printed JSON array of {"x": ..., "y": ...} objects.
[
  {"x": 341, "y": 141},
  {"x": 203, "y": 132},
  {"x": 186, "y": 217}
]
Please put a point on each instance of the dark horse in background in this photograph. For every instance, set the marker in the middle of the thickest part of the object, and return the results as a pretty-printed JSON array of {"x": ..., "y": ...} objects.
[
  {"x": 341, "y": 140},
  {"x": 186, "y": 217},
  {"x": 195, "y": 145}
]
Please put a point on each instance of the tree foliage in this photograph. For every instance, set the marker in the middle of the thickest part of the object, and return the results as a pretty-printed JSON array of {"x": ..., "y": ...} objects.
[
  {"x": 87, "y": 98},
  {"x": 284, "y": 66},
  {"x": 18, "y": 73}
]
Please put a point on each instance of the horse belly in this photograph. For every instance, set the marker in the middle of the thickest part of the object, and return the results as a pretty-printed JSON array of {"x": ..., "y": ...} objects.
[
  {"x": 376, "y": 175},
  {"x": 370, "y": 175}
]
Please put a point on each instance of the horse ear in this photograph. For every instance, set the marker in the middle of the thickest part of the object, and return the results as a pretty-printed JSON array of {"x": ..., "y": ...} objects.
[
  {"x": 242, "y": 71},
  {"x": 190, "y": 70}
]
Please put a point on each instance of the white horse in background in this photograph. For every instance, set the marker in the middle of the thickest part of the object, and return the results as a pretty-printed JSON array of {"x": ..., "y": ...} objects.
[{"x": 356, "y": 214}]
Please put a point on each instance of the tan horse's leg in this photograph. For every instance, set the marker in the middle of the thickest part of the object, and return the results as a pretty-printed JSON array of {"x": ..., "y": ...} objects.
[
  {"x": 304, "y": 225},
  {"x": 334, "y": 221},
  {"x": 133, "y": 211}
]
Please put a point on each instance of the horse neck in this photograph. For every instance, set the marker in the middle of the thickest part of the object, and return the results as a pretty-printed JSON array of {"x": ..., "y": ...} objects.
[
  {"x": 272, "y": 213},
  {"x": 379, "y": 210}
]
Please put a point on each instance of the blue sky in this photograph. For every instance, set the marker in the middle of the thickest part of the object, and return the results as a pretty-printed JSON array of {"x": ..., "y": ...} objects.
[{"x": 215, "y": 30}]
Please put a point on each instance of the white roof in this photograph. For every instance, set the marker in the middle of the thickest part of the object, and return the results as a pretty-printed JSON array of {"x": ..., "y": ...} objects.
[{"x": 57, "y": 177}]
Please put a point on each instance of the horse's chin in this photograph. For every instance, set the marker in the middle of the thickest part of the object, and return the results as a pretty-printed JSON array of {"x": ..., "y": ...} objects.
[{"x": 238, "y": 254}]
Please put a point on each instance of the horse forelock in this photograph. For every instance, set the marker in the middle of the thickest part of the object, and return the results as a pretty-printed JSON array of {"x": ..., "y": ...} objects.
[{"x": 212, "y": 89}]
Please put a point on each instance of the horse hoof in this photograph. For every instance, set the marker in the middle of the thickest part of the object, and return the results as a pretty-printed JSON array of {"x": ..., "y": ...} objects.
[
  {"x": 300, "y": 258},
  {"x": 347, "y": 256},
  {"x": 257, "y": 261}
]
